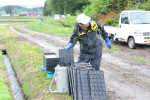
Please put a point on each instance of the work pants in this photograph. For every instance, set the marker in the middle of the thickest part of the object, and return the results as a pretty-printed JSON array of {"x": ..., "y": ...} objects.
[{"x": 93, "y": 58}]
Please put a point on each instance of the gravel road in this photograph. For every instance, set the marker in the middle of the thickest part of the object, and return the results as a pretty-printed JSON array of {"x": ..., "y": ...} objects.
[{"x": 125, "y": 78}]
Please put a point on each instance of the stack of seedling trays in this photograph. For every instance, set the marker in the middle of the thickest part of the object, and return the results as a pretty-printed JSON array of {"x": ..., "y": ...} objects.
[
  {"x": 85, "y": 83},
  {"x": 50, "y": 61}
]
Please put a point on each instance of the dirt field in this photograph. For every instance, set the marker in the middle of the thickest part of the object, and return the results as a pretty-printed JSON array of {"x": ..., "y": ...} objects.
[{"x": 125, "y": 77}]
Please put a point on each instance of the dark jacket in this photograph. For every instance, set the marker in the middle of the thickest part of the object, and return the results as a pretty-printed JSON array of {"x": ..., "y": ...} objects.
[{"x": 88, "y": 39}]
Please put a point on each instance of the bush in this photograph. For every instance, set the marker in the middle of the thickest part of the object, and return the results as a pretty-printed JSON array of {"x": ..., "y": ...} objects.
[
  {"x": 96, "y": 7},
  {"x": 22, "y": 15},
  {"x": 110, "y": 21},
  {"x": 69, "y": 21}
]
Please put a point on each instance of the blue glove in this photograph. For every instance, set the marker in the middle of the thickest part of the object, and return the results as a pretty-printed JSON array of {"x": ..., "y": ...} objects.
[
  {"x": 108, "y": 43},
  {"x": 70, "y": 45}
]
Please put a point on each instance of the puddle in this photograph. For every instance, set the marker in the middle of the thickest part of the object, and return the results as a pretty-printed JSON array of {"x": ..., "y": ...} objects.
[{"x": 13, "y": 80}]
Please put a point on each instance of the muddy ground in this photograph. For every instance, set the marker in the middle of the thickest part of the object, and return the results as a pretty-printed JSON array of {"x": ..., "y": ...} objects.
[{"x": 125, "y": 77}]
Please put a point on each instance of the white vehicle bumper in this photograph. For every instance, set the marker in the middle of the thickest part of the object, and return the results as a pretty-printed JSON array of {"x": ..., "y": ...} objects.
[{"x": 142, "y": 40}]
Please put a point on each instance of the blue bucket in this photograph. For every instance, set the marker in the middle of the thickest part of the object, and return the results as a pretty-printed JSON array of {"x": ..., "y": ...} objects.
[{"x": 50, "y": 74}]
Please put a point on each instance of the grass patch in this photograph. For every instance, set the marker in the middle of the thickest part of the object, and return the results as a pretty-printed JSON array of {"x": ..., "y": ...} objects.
[
  {"x": 19, "y": 17},
  {"x": 5, "y": 33},
  {"x": 2, "y": 66},
  {"x": 141, "y": 59},
  {"x": 24, "y": 58},
  {"x": 15, "y": 20},
  {"x": 18, "y": 28},
  {"x": 69, "y": 21},
  {"x": 10, "y": 41},
  {"x": 50, "y": 26},
  {"x": 5, "y": 92},
  {"x": 34, "y": 81},
  {"x": 113, "y": 49}
]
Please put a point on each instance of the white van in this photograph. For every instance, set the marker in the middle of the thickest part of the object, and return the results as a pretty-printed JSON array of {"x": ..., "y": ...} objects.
[
  {"x": 56, "y": 16},
  {"x": 134, "y": 28}
]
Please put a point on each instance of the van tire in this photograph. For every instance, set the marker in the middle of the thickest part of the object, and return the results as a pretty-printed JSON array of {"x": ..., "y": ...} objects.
[{"x": 131, "y": 43}]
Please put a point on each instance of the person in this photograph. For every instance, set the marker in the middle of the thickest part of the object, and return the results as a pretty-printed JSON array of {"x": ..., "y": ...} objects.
[
  {"x": 41, "y": 19},
  {"x": 87, "y": 32}
]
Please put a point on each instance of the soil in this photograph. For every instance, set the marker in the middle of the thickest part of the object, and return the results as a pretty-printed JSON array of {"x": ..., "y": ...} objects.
[{"x": 125, "y": 77}]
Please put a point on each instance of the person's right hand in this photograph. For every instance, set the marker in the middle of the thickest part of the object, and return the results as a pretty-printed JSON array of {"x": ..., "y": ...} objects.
[
  {"x": 108, "y": 43},
  {"x": 70, "y": 45}
]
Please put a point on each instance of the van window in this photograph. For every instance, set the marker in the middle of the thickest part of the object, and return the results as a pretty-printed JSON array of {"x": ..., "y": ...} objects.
[
  {"x": 140, "y": 17},
  {"x": 124, "y": 19}
]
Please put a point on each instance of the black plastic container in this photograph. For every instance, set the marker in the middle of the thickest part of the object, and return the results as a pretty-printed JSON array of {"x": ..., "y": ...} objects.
[
  {"x": 66, "y": 57},
  {"x": 50, "y": 61}
]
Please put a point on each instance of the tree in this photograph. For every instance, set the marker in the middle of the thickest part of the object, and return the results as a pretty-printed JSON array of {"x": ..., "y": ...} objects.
[
  {"x": 8, "y": 10},
  {"x": 44, "y": 11},
  {"x": 47, "y": 8},
  {"x": 64, "y": 6},
  {"x": 96, "y": 7}
]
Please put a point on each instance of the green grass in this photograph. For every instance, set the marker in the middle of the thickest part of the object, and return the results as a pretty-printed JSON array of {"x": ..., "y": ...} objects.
[
  {"x": 5, "y": 33},
  {"x": 50, "y": 26},
  {"x": 141, "y": 59},
  {"x": 24, "y": 58},
  {"x": 19, "y": 17},
  {"x": 33, "y": 80},
  {"x": 8, "y": 41},
  {"x": 69, "y": 21},
  {"x": 113, "y": 49},
  {"x": 4, "y": 92},
  {"x": 18, "y": 28},
  {"x": 16, "y": 20}
]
